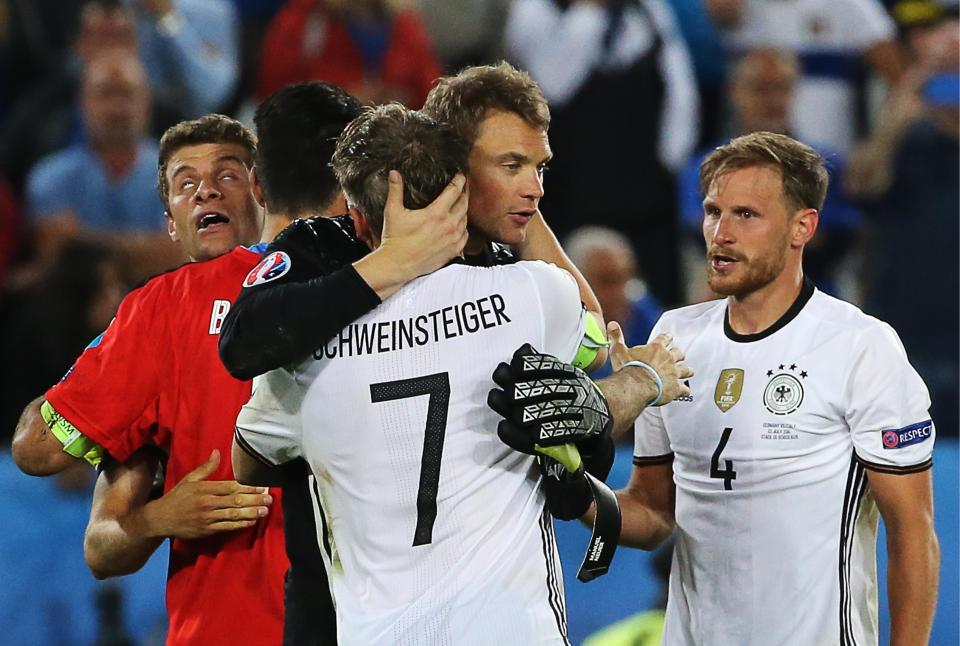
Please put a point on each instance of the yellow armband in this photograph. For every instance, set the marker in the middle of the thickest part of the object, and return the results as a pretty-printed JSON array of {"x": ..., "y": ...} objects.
[
  {"x": 593, "y": 341},
  {"x": 74, "y": 442}
]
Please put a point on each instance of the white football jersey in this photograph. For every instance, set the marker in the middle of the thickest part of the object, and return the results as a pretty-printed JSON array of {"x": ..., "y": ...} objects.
[
  {"x": 436, "y": 531},
  {"x": 776, "y": 525}
]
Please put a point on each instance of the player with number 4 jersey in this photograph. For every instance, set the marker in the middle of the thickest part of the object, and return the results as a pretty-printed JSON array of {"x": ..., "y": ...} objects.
[{"x": 768, "y": 455}]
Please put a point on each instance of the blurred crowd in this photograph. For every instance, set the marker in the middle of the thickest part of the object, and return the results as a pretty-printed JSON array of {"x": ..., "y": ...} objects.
[{"x": 640, "y": 91}]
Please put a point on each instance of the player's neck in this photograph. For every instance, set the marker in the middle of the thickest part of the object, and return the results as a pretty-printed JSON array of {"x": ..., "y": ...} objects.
[
  {"x": 273, "y": 224},
  {"x": 476, "y": 242},
  {"x": 758, "y": 310}
]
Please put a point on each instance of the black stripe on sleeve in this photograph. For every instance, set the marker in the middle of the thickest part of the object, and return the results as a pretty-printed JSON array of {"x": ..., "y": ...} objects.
[
  {"x": 252, "y": 452},
  {"x": 650, "y": 460},
  {"x": 895, "y": 469}
]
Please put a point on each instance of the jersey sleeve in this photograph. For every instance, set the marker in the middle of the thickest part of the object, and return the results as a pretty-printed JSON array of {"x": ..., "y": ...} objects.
[
  {"x": 302, "y": 293},
  {"x": 887, "y": 406},
  {"x": 651, "y": 444},
  {"x": 564, "y": 317},
  {"x": 115, "y": 383},
  {"x": 268, "y": 426}
]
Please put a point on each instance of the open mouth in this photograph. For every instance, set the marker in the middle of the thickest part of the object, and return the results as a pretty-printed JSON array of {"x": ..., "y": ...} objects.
[
  {"x": 211, "y": 219},
  {"x": 721, "y": 261}
]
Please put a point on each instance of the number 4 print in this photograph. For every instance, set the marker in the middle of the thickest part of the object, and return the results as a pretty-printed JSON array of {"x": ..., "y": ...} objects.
[
  {"x": 438, "y": 387},
  {"x": 728, "y": 475}
]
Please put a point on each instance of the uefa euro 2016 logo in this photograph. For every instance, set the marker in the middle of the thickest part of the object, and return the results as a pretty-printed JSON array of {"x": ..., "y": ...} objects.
[{"x": 270, "y": 268}]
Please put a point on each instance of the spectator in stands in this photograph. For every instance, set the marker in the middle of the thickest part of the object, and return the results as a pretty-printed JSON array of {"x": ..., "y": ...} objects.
[
  {"x": 373, "y": 51},
  {"x": 104, "y": 187},
  {"x": 761, "y": 96},
  {"x": 188, "y": 47},
  {"x": 624, "y": 106},
  {"x": 191, "y": 52},
  {"x": 832, "y": 39},
  {"x": 907, "y": 173},
  {"x": 709, "y": 62},
  {"x": 606, "y": 258}
]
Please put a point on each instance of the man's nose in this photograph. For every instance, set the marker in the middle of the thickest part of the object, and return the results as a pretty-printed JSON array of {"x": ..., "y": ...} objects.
[
  {"x": 533, "y": 186},
  {"x": 207, "y": 190}
]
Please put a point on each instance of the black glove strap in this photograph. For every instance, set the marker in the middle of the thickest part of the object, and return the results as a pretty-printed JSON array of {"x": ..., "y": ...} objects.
[{"x": 606, "y": 532}]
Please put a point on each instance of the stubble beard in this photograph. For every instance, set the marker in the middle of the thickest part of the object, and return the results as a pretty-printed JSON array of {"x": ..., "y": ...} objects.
[{"x": 757, "y": 273}]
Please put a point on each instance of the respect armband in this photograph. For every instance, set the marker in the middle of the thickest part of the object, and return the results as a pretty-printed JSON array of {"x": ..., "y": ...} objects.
[{"x": 74, "y": 442}]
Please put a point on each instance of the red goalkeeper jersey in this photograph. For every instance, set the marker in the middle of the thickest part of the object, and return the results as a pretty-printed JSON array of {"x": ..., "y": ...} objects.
[{"x": 157, "y": 362}]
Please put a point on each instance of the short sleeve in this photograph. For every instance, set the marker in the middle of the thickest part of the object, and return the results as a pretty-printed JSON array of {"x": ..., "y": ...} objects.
[
  {"x": 108, "y": 391},
  {"x": 269, "y": 426},
  {"x": 651, "y": 444},
  {"x": 564, "y": 317},
  {"x": 887, "y": 405}
]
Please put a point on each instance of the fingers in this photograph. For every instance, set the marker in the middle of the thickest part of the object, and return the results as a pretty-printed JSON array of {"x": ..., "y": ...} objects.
[
  {"x": 231, "y": 519},
  {"x": 503, "y": 377},
  {"x": 244, "y": 501},
  {"x": 206, "y": 469},
  {"x": 515, "y": 437},
  {"x": 227, "y": 488},
  {"x": 452, "y": 195},
  {"x": 619, "y": 354},
  {"x": 684, "y": 371},
  {"x": 394, "y": 201},
  {"x": 664, "y": 339},
  {"x": 228, "y": 526},
  {"x": 615, "y": 334},
  {"x": 499, "y": 401}
]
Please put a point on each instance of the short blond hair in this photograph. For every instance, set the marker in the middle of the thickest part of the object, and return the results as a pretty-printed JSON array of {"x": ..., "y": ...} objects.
[{"x": 802, "y": 171}]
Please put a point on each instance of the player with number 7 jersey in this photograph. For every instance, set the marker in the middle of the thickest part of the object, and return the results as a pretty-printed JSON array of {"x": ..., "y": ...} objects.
[{"x": 436, "y": 531}]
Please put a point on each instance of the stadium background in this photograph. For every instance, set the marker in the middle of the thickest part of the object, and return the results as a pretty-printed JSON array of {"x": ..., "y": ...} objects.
[{"x": 639, "y": 90}]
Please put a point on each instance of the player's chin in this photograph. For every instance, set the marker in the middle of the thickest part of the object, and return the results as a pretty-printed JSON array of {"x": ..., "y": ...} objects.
[
  {"x": 514, "y": 232},
  {"x": 723, "y": 285},
  {"x": 217, "y": 246}
]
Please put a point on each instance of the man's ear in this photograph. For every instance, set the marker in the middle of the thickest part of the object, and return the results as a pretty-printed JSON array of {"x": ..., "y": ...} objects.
[
  {"x": 361, "y": 226},
  {"x": 257, "y": 187},
  {"x": 171, "y": 227},
  {"x": 804, "y": 226}
]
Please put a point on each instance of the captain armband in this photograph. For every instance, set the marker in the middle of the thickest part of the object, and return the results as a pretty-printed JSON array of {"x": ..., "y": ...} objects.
[
  {"x": 74, "y": 442},
  {"x": 593, "y": 341}
]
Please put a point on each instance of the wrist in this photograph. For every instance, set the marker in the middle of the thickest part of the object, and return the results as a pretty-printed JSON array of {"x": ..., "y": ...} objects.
[
  {"x": 384, "y": 271},
  {"x": 148, "y": 521},
  {"x": 646, "y": 374}
]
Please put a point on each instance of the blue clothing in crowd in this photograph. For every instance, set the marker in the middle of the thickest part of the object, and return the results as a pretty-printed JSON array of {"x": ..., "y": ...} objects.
[
  {"x": 74, "y": 179},
  {"x": 192, "y": 62}
]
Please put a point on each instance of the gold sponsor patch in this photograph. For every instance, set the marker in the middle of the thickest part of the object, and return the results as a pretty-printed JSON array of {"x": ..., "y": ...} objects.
[{"x": 729, "y": 387}]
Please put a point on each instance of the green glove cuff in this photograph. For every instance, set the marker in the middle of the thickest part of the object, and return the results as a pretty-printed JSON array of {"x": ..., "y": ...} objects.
[
  {"x": 566, "y": 454},
  {"x": 74, "y": 442},
  {"x": 593, "y": 340}
]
